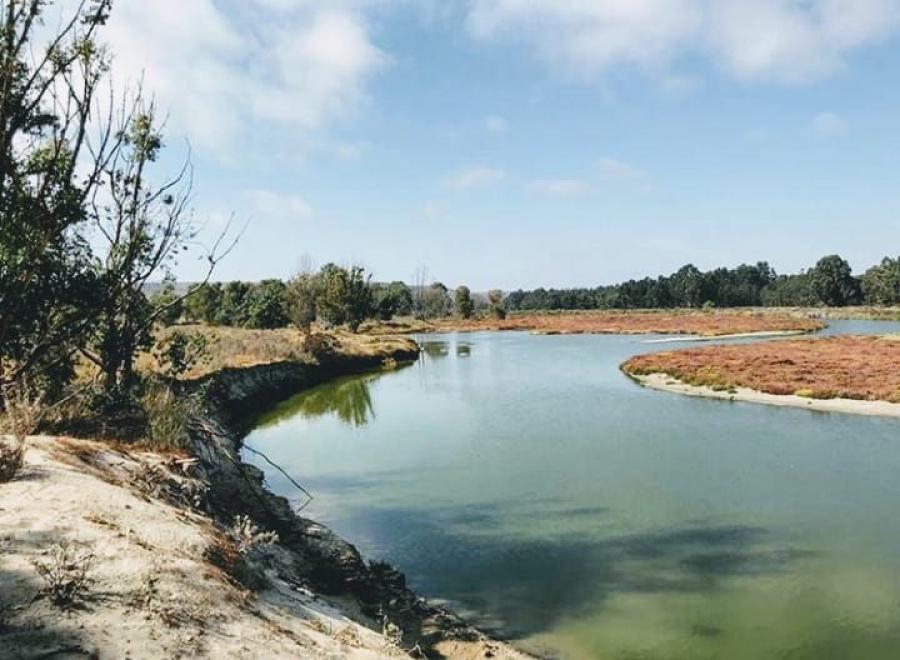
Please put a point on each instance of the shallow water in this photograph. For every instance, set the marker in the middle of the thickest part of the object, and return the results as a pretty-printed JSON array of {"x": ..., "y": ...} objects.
[{"x": 528, "y": 482}]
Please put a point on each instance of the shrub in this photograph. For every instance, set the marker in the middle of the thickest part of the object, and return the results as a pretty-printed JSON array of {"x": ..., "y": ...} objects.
[
  {"x": 179, "y": 352},
  {"x": 12, "y": 457},
  {"x": 167, "y": 416},
  {"x": 65, "y": 575},
  {"x": 22, "y": 412},
  {"x": 239, "y": 551}
]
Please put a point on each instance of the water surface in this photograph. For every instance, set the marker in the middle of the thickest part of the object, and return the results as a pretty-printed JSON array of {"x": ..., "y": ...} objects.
[{"x": 529, "y": 483}]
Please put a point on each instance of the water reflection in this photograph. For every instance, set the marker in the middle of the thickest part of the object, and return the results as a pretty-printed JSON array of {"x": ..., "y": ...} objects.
[
  {"x": 435, "y": 349},
  {"x": 349, "y": 399},
  {"x": 438, "y": 349}
]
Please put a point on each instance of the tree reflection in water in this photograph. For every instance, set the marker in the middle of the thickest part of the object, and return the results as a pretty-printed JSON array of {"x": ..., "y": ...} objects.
[{"x": 348, "y": 398}]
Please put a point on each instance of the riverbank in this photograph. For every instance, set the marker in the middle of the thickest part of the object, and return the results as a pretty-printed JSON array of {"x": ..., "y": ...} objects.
[
  {"x": 711, "y": 323},
  {"x": 172, "y": 573},
  {"x": 739, "y": 335},
  {"x": 665, "y": 383},
  {"x": 850, "y": 374}
]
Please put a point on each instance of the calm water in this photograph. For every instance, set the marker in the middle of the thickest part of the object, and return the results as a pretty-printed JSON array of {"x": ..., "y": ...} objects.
[{"x": 529, "y": 483}]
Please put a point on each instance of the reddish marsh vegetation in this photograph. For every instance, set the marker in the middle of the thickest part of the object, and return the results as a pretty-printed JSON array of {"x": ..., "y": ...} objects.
[
  {"x": 836, "y": 367},
  {"x": 706, "y": 324}
]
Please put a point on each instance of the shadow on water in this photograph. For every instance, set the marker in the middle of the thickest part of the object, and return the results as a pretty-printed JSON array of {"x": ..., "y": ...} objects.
[
  {"x": 349, "y": 398},
  {"x": 498, "y": 580}
]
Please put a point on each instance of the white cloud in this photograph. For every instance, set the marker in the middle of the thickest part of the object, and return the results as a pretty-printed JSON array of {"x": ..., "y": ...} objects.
[
  {"x": 780, "y": 40},
  {"x": 479, "y": 176},
  {"x": 560, "y": 187},
  {"x": 611, "y": 168},
  {"x": 829, "y": 124},
  {"x": 223, "y": 69},
  {"x": 496, "y": 124},
  {"x": 434, "y": 211},
  {"x": 272, "y": 205}
]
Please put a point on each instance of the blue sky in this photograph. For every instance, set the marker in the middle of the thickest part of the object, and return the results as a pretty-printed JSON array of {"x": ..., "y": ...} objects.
[{"x": 519, "y": 143}]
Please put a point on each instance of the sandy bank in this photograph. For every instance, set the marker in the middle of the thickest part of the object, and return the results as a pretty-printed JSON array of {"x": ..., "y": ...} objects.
[
  {"x": 737, "y": 335},
  {"x": 168, "y": 576},
  {"x": 666, "y": 383}
]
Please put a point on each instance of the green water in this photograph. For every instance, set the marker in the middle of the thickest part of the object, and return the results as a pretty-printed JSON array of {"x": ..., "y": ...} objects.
[{"x": 528, "y": 483}]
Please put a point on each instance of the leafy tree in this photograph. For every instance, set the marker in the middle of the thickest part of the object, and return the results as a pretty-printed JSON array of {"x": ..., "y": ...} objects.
[
  {"x": 266, "y": 305},
  {"x": 179, "y": 352},
  {"x": 832, "y": 282},
  {"x": 332, "y": 301},
  {"x": 687, "y": 286},
  {"x": 232, "y": 308},
  {"x": 496, "y": 304},
  {"x": 881, "y": 283},
  {"x": 390, "y": 300},
  {"x": 166, "y": 299},
  {"x": 203, "y": 304},
  {"x": 463, "y": 302},
  {"x": 359, "y": 298},
  {"x": 436, "y": 301},
  {"x": 302, "y": 296},
  {"x": 144, "y": 228},
  {"x": 47, "y": 172}
]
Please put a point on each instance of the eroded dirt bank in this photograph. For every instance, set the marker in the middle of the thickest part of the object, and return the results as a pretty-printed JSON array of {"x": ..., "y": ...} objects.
[{"x": 176, "y": 568}]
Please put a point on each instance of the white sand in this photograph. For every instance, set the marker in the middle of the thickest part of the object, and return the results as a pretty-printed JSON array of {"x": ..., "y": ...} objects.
[
  {"x": 666, "y": 383},
  {"x": 153, "y": 593},
  {"x": 738, "y": 335}
]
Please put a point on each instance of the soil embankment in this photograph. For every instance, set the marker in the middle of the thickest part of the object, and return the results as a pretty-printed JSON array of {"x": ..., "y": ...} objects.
[{"x": 171, "y": 573}]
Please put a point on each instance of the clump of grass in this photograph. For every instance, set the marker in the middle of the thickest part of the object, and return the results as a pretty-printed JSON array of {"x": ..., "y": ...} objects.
[
  {"x": 66, "y": 575},
  {"x": 239, "y": 552},
  {"x": 167, "y": 416}
]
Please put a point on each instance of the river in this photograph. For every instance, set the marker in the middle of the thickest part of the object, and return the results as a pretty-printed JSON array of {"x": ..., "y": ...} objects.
[{"x": 528, "y": 483}]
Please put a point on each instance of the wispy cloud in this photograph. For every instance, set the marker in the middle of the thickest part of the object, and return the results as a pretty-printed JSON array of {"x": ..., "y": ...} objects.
[
  {"x": 222, "y": 71},
  {"x": 273, "y": 205},
  {"x": 612, "y": 168},
  {"x": 560, "y": 187},
  {"x": 479, "y": 176},
  {"x": 495, "y": 124},
  {"x": 829, "y": 124},
  {"x": 778, "y": 40}
]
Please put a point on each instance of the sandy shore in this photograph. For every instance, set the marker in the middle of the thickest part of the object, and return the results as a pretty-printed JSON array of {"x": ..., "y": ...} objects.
[
  {"x": 737, "y": 335},
  {"x": 666, "y": 383},
  {"x": 157, "y": 585}
]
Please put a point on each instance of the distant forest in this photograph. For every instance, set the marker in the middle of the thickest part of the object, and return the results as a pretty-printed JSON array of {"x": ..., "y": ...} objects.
[
  {"x": 340, "y": 296},
  {"x": 830, "y": 282}
]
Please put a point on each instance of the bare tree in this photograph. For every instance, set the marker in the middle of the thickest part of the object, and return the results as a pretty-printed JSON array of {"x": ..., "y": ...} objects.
[
  {"x": 420, "y": 277},
  {"x": 144, "y": 227}
]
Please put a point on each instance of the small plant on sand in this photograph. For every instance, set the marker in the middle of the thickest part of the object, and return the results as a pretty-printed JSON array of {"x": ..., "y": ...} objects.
[
  {"x": 248, "y": 537},
  {"x": 239, "y": 551},
  {"x": 65, "y": 575}
]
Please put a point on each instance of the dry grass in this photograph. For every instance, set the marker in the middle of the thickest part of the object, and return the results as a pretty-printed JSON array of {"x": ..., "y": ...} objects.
[
  {"x": 688, "y": 322},
  {"x": 229, "y": 348},
  {"x": 849, "y": 367}
]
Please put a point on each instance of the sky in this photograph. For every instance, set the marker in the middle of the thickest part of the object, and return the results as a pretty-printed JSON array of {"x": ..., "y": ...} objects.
[{"x": 523, "y": 143}]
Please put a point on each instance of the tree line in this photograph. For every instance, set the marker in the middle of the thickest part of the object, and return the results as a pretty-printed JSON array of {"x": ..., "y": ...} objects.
[
  {"x": 830, "y": 282},
  {"x": 332, "y": 296}
]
